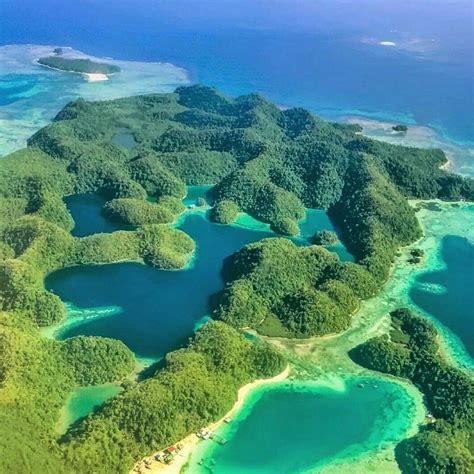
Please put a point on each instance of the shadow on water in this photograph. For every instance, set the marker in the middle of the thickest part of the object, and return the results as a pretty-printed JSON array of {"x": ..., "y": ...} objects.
[{"x": 86, "y": 210}]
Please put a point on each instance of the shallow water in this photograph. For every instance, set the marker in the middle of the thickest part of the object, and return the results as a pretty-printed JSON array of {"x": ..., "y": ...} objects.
[
  {"x": 31, "y": 95},
  {"x": 298, "y": 426},
  {"x": 84, "y": 400}
]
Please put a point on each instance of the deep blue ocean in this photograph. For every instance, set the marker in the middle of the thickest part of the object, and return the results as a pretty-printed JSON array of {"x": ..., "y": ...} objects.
[{"x": 411, "y": 61}]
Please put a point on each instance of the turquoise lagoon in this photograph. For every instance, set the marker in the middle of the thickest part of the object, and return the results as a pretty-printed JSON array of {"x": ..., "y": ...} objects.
[
  {"x": 84, "y": 400},
  {"x": 297, "y": 427}
]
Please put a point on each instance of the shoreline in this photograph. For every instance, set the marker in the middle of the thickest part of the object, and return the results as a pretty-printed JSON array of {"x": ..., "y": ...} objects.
[
  {"x": 89, "y": 76},
  {"x": 189, "y": 442}
]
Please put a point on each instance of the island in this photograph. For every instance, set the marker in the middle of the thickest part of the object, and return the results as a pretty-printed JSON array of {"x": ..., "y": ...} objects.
[
  {"x": 411, "y": 350},
  {"x": 400, "y": 128},
  {"x": 269, "y": 163},
  {"x": 325, "y": 237},
  {"x": 92, "y": 69}
]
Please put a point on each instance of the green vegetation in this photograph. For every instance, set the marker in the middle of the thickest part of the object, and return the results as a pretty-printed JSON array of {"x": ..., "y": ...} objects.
[
  {"x": 85, "y": 66},
  {"x": 412, "y": 351},
  {"x": 196, "y": 386},
  {"x": 224, "y": 212},
  {"x": 400, "y": 128},
  {"x": 137, "y": 212},
  {"x": 260, "y": 160},
  {"x": 325, "y": 237},
  {"x": 285, "y": 290}
]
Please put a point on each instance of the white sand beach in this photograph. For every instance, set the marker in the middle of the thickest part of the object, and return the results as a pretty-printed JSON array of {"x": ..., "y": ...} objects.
[
  {"x": 188, "y": 444},
  {"x": 96, "y": 77}
]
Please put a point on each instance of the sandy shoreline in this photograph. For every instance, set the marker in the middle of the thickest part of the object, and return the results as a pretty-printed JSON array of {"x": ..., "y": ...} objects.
[
  {"x": 90, "y": 77},
  {"x": 190, "y": 442}
]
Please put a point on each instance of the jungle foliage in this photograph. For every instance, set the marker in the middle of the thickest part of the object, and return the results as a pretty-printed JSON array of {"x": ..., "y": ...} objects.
[
  {"x": 260, "y": 160},
  {"x": 412, "y": 351}
]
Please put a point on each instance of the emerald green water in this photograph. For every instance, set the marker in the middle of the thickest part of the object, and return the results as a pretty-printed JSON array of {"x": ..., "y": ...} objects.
[
  {"x": 297, "y": 427},
  {"x": 84, "y": 400},
  {"x": 316, "y": 220}
]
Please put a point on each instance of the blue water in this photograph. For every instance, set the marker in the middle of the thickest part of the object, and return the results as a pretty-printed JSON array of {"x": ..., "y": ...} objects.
[
  {"x": 453, "y": 306},
  {"x": 154, "y": 311},
  {"x": 86, "y": 210},
  {"x": 159, "y": 308},
  {"x": 295, "y": 428},
  {"x": 325, "y": 54}
]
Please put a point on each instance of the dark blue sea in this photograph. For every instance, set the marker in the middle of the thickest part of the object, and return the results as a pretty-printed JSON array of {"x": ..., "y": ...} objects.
[{"x": 386, "y": 59}]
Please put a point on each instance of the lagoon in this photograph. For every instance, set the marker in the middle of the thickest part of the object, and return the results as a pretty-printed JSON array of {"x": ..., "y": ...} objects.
[
  {"x": 444, "y": 292},
  {"x": 159, "y": 309},
  {"x": 155, "y": 311},
  {"x": 297, "y": 427},
  {"x": 84, "y": 400},
  {"x": 86, "y": 210}
]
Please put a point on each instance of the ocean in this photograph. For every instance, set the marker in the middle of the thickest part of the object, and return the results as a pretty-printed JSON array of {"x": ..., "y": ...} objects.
[
  {"x": 377, "y": 62},
  {"x": 383, "y": 60}
]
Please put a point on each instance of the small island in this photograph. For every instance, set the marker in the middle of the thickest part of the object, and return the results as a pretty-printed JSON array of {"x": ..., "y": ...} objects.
[
  {"x": 400, "y": 128},
  {"x": 93, "y": 70},
  {"x": 325, "y": 237}
]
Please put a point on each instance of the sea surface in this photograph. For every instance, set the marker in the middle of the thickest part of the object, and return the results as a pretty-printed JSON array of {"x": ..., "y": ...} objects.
[{"x": 383, "y": 61}]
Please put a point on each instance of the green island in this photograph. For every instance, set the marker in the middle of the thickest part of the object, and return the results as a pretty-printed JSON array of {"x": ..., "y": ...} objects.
[
  {"x": 260, "y": 160},
  {"x": 411, "y": 350},
  {"x": 78, "y": 65},
  {"x": 325, "y": 237}
]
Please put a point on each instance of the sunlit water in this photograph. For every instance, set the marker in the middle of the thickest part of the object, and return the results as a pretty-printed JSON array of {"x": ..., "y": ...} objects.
[{"x": 298, "y": 427}]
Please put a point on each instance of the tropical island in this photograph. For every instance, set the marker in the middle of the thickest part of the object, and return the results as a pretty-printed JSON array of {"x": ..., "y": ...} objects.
[
  {"x": 78, "y": 65},
  {"x": 411, "y": 350},
  {"x": 259, "y": 160}
]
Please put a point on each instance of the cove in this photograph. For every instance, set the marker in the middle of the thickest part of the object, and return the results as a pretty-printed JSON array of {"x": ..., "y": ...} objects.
[
  {"x": 298, "y": 427},
  {"x": 444, "y": 292},
  {"x": 159, "y": 309},
  {"x": 84, "y": 400},
  {"x": 86, "y": 210},
  {"x": 155, "y": 311}
]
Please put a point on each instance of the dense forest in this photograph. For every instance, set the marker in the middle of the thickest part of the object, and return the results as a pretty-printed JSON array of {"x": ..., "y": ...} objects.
[
  {"x": 269, "y": 163},
  {"x": 412, "y": 351},
  {"x": 85, "y": 66}
]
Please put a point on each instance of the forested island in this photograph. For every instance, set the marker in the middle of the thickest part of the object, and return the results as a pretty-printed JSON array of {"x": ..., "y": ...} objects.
[
  {"x": 411, "y": 350},
  {"x": 269, "y": 163},
  {"x": 78, "y": 65}
]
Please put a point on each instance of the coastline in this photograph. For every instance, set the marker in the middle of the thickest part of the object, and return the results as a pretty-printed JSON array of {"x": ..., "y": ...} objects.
[
  {"x": 90, "y": 77},
  {"x": 190, "y": 442}
]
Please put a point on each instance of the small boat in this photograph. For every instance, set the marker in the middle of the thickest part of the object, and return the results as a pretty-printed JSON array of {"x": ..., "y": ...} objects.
[
  {"x": 227, "y": 420},
  {"x": 361, "y": 385}
]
